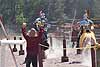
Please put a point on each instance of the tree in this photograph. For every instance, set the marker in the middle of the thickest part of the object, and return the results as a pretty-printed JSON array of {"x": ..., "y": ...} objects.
[{"x": 20, "y": 18}]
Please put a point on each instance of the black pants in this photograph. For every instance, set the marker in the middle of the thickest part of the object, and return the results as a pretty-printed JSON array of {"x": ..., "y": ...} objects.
[{"x": 32, "y": 59}]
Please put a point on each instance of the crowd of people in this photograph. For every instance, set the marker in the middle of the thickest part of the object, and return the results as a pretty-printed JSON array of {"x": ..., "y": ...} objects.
[{"x": 38, "y": 35}]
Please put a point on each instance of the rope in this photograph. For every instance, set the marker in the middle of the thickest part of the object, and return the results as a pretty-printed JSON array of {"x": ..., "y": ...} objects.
[
  {"x": 88, "y": 47},
  {"x": 75, "y": 48}
]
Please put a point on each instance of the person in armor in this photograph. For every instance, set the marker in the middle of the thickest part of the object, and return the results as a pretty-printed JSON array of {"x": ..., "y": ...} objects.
[
  {"x": 85, "y": 22},
  {"x": 42, "y": 22},
  {"x": 86, "y": 18}
]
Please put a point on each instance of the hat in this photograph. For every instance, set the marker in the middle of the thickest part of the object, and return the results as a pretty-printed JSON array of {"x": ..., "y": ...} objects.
[{"x": 32, "y": 29}]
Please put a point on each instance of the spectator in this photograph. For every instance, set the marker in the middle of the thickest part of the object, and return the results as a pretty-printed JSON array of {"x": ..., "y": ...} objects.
[{"x": 33, "y": 39}]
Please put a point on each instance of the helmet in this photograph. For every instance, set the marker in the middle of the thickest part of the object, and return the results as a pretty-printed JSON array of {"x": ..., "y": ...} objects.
[{"x": 39, "y": 23}]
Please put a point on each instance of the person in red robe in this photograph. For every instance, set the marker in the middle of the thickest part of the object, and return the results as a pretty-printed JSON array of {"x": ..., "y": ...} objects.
[{"x": 33, "y": 40}]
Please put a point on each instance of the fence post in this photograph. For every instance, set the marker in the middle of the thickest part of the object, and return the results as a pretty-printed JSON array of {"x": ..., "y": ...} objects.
[
  {"x": 50, "y": 41},
  {"x": 14, "y": 49},
  {"x": 21, "y": 51},
  {"x": 64, "y": 58},
  {"x": 93, "y": 57}
]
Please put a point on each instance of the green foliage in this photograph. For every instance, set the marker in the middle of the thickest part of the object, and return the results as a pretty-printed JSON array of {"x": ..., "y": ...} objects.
[
  {"x": 19, "y": 12},
  {"x": 20, "y": 19},
  {"x": 27, "y": 10}
]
